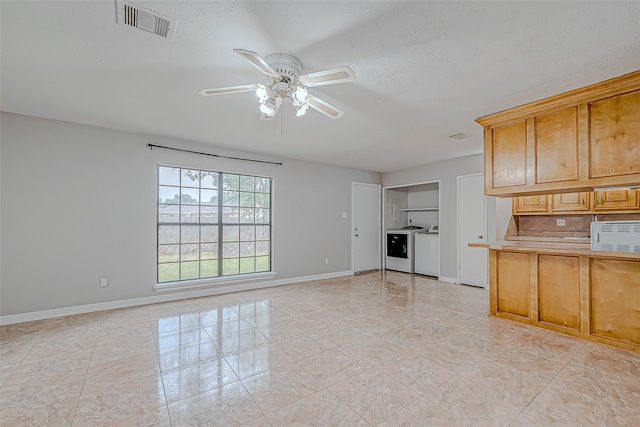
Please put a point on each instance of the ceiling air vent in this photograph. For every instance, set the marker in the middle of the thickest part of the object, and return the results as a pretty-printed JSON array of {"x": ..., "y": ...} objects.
[
  {"x": 135, "y": 16},
  {"x": 460, "y": 135}
]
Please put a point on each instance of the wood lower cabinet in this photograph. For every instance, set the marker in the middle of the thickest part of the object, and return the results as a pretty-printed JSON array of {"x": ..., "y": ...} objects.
[
  {"x": 615, "y": 299},
  {"x": 513, "y": 291},
  {"x": 559, "y": 290},
  {"x": 576, "y": 141},
  {"x": 587, "y": 295}
]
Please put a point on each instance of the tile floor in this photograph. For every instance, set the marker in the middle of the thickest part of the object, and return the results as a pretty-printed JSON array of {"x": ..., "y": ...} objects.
[{"x": 372, "y": 350}]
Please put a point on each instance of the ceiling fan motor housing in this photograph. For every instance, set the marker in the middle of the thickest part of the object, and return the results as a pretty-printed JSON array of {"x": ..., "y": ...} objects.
[{"x": 289, "y": 67}]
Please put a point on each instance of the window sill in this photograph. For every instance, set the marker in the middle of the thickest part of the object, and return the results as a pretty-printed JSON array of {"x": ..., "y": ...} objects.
[{"x": 212, "y": 282}]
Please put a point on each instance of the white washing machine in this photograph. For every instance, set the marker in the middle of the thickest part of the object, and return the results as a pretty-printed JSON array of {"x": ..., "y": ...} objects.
[{"x": 400, "y": 250}]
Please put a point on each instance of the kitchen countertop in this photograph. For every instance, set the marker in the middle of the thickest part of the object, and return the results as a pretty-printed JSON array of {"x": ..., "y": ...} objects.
[{"x": 568, "y": 248}]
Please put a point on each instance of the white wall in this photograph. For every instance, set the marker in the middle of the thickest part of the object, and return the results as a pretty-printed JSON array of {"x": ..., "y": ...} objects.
[
  {"x": 447, "y": 172},
  {"x": 79, "y": 202},
  {"x": 424, "y": 199},
  {"x": 402, "y": 198}
]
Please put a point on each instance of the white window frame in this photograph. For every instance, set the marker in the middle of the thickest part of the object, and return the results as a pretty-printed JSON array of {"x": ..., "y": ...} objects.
[{"x": 220, "y": 278}]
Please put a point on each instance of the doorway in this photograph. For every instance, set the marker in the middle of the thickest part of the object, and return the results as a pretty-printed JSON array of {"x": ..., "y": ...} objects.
[
  {"x": 472, "y": 227},
  {"x": 365, "y": 226}
]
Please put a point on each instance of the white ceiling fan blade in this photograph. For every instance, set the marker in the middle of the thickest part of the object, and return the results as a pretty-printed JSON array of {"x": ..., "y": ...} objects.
[
  {"x": 225, "y": 90},
  {"x": 324, "y": 107},
  {"x": 342, "y": 74},
  {"x": 257, "y": 61}
]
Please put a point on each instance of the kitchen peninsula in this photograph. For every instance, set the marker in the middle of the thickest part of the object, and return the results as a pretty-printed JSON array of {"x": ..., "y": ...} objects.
[
  {"x": 549, "y": 156},
  {"x": 567, "y": 288}
]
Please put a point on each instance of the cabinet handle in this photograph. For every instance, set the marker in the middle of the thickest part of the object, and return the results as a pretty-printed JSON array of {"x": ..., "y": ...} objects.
[
  {"x": 582, "y": 202},
  {"x": 600, "y": 201}
]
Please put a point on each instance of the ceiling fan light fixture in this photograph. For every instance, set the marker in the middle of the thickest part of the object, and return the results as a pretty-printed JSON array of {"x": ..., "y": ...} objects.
[
  {"x": 300, "y": 96},
  {"x": 302, "y": 109},
  {"x": 267, "y": 110},
  {"x": 262, "y": 94}
]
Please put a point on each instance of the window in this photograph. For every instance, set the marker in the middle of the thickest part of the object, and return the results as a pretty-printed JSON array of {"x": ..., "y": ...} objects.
[{"x": 212, "y": 224}]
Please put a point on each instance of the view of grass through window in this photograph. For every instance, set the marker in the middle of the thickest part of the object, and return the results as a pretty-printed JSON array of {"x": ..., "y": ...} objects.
[{"x": 212, "y": 224}]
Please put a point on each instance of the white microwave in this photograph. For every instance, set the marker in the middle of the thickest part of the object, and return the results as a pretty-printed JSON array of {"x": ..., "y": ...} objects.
[{"x": 616, "y": 236}]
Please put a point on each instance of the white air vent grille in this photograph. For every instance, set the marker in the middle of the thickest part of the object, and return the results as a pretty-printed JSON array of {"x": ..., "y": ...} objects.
[
  {"x": 623, "y": 248},
  {"x": 636, "y": 249},
  {"x": 636, "y": 228},
  {"x": 135, "y": 16},
  {"x": 606, "y": 247}
]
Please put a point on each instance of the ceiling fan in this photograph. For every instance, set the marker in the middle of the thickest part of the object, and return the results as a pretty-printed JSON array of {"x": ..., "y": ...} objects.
[{"x": 286, "y": 81}]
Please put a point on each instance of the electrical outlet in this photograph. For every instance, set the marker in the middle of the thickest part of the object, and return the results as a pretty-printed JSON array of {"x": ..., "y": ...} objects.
[
  {"x": 326, "y": 260},
  {"x": 104, "y": 282},
  {"x": 344, "y": 215},
  {"x": 560, "y": 222}
]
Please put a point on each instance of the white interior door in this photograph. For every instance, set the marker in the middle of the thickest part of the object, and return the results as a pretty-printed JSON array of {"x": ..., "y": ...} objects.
[
  {"x": 472, "y": 227},
  {"x": 366, "y": 240}
]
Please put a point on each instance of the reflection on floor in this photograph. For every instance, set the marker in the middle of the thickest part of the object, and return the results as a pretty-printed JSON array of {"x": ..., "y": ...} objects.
[{"x": 372, "y": 350}]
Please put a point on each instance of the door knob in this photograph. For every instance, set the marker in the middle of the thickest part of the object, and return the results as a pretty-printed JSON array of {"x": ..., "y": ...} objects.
[
  {"x": 356, "y": 235},
  {"x": 480, "y": 236}
]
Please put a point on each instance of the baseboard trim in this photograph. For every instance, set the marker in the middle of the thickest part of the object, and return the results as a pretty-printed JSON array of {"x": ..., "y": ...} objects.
[
  {"x": 110, "y": 305},
  {"x": 448, "y": 279}
]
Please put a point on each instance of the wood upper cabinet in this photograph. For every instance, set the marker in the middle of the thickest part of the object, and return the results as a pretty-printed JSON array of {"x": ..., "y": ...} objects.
[
  {"x": 530, "y": 204},
  {"x": 556, "y": 146},
  {"x": 571, "y": 202},
  {"x": 509, "y": 155},
  {"x": 578, "y": 140},
  {"x": 618, "y": 200},
  {"x": 614, "y": 130}
]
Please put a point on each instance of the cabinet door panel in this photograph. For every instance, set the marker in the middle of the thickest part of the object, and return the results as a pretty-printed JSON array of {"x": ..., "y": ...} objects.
[
  {"x": 616, "y": 200},
  {"x": 614, "y": 129},
  {"x": 615, "y": 299},
  {"x": 509, "y": 155},
  {"x": 559, "y": 290},
  {"x": 513, "y": 283},
  {"x": 570, "y": 202},
  {"x": 557, "y": 146},
  {"x": 526, "y": 204}
]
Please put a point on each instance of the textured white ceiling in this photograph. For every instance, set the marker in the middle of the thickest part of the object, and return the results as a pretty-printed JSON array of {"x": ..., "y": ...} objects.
[{"x": 425, "y": 70}]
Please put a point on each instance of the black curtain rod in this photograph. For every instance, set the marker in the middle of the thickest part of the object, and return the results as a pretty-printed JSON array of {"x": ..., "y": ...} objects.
[{"x": 213, "y": 155}]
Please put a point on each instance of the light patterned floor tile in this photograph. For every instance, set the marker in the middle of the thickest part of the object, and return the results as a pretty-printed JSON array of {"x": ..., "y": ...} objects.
[
  {"x": 375, "y": 349},
  {"x": 182, "y": 356},
  {"x": 422, "y": 413},
  {"x": 197, "y": 379},
  {"x": 228, "y": 405},
  {"x": 281, "y": 386},
  {"x": 320, "y": 409},
  {"x": 258, "y": 360},
  {"x": 119, "y": 402},
  {"x": 373, "y": 395},
  {"x": 416, "y": 372},
  {"x": 333, "y": 366}
]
